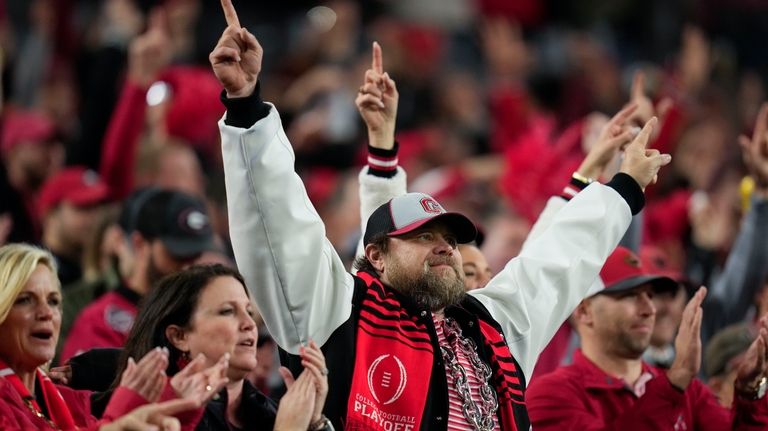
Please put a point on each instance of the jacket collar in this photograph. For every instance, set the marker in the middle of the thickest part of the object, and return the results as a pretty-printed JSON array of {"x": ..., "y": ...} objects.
[{"x": 594, "y": 377}]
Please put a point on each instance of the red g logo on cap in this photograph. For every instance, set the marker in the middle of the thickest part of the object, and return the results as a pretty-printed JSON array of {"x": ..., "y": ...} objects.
[
  {"x": 632, "y": 260},
  {"x": 431, "y": 206}
]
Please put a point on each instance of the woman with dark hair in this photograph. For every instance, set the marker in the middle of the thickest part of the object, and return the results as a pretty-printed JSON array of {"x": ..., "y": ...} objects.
[{"x": 204, "y": 312}]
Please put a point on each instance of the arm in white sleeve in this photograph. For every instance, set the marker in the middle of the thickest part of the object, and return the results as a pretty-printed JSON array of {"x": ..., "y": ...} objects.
[
  {"x": 375, "y": 191},
  {"x": 534, "y": 294},
  {"x": 297, "y": 279}
]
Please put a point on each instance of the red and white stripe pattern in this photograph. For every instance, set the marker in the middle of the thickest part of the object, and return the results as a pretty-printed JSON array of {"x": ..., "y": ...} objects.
[
  {"x": 382, "y": 163},
  {"x": 456, "y": 419}
]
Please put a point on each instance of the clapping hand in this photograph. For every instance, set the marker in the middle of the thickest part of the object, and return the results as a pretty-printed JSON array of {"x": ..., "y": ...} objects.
[{"x": 688, "y": 343}]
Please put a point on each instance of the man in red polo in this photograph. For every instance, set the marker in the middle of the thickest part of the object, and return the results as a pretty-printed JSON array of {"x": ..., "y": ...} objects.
[{"x": 609, "y": 387}]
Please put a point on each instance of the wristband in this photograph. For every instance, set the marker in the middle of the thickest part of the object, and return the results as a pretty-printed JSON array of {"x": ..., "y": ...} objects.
[{"x": 582, "y": 179}]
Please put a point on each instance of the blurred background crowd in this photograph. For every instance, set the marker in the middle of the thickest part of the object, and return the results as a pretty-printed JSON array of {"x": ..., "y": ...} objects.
[{"x": 498, "y": 103}]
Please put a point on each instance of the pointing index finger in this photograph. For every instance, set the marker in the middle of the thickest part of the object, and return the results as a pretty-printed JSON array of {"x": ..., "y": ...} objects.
[
  {"x": 377, "y": 64},
  {"x": 230, "y": 14},
  {"x": 644, "y": 136}
]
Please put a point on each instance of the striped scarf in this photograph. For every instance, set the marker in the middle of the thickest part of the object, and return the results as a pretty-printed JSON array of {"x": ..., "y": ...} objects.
[{"x": 393, "y": 365}]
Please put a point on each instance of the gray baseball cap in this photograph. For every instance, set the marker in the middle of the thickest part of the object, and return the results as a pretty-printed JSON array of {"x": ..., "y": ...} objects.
[{"x": 411, "y": 211}]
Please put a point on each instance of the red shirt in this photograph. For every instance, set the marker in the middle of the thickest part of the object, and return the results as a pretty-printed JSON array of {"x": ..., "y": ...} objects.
[
  {"x": 583, "y": 397},
  {"x": 106, "y": 322}
]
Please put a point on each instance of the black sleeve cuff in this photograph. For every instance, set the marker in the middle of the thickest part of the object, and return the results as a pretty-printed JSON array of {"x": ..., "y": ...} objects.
[
  {"x": 382, "y": 154},
  {"x": 630, "y": 190},
  {"x": 244, "y": 112}
]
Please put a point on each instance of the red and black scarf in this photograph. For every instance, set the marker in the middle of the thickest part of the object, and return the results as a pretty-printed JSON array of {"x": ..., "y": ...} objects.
[
  {"x": 393, "y": 366},
  {"x": 58, "y": 411}
]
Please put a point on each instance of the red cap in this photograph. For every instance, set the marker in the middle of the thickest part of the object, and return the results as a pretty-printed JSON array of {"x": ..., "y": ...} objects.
[
  {"x": 624, "y": 271},
  {"x": 77, "y": 185},
  {"x": 656, "y": 260},
  {"x": 25, "y": 126},
  {"x": 195, "y": 109}
]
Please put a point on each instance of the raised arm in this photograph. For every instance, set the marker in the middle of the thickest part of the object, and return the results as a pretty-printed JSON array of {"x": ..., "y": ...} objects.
[
  {"x": 382, "y": 179},
  {"x": 604, "y": 149},
  {"x": 537, "y": 290},
  {"x": 298, "y": 281},
  {"x": 746, "y": 269}
]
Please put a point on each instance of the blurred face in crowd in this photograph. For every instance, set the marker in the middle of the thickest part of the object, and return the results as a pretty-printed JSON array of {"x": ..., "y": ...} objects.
[
  {"x": 669, "y": 312},
  {"x": 477, "y": 273},
  {"x": 619, "y": 323},
  {"x": 29, "y": 334},
  {"x": 509, "y": 233},
  {"x": 74, "y": 225},
  {"x": 425, "y": 265},
  {"x": 222, "y": 323},
  {"x": 36, "y": 161},
  {"x": 160, "y": 262}
]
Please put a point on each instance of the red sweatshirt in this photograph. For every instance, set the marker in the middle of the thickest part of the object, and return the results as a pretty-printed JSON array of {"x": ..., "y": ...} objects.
[{"x": 583, "y": 397}]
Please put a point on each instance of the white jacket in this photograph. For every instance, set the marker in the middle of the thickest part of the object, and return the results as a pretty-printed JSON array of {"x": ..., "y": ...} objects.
[{"x": 303, "y": 291}]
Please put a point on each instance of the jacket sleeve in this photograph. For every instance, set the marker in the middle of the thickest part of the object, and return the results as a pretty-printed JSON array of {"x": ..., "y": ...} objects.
[
  {"x": 536, "y": 291},
  {"x": 122, "y": 401},
  {"x": 749, "y": 415},
  {"x": 375, "y": 190},
  {"x": 745, "y": 270},
  {"x": 566, "y": 408},
  {"x": 297, "y": 279},
  {"x": 121, "y": 141}
]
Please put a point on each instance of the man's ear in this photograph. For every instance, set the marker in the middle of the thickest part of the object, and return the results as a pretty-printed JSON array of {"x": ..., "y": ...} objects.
[
  {"x": 375, "y": 256},
  {"x": 178, "y": 337},
  {"x": 583, "y": 315}
]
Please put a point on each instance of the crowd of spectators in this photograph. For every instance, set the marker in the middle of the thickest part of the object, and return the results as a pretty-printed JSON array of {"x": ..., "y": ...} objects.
[{"x": 110, "y": 151}]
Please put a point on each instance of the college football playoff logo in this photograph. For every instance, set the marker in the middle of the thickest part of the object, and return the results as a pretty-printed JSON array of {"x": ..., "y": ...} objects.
[{"x": 387, "y": 378}]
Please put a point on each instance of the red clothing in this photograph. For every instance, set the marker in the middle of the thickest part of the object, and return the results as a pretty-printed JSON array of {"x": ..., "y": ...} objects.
[
  {"x": 16, "y": 416},
  {"x": 583, "y": 397},
  {"x": 106, "y": 322},
  {"x": 121, "y": 141}
]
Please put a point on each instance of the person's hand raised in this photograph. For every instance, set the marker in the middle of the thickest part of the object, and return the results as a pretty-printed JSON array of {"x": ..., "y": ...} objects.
[
  {"x": 641, "y": 163},
  {"x": 150, "y": 52},
  {"x": 755, "y": 150},
  {"x": 754, "y": 367},
  {"x": 236, "y": 59},
  {"x": 613, "y": 136},
  {"x": 377, "y": 102},
  {"x": 688, "y": 343}
]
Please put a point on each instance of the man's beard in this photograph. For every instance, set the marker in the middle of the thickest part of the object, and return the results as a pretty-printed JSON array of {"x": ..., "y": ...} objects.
[
  {"x": 631, "y": 347},
  {"x": 427, "y": 288}
]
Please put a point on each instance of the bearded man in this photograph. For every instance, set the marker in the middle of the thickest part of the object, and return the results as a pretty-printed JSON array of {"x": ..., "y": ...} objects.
[{"x": 406, "y": 348}]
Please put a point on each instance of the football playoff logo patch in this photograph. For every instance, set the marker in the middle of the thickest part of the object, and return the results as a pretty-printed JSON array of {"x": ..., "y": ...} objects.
[{"x": 387, "y": 379}]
